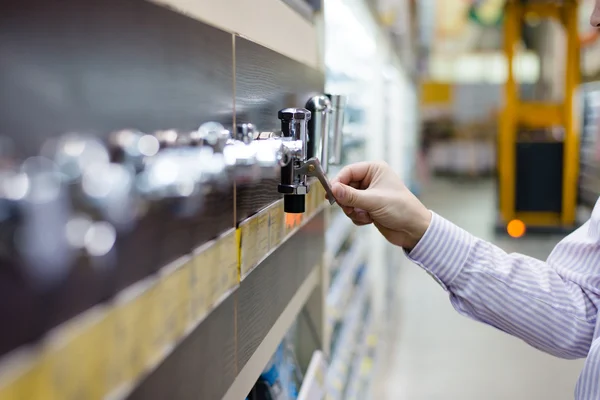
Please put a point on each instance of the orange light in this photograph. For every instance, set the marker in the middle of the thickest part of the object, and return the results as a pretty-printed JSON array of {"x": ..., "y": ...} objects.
[
  {"x": 292, "y": 220},
  {"x": 516, "y": 228}
]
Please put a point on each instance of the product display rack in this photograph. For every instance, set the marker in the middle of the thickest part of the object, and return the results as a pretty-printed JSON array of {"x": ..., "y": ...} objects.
[
  {"x": 362, "y": 63},
  {"x": 224, "y": 287},
  {"x": 206, "y": 301},
  {"x": 152, "y": 326}
]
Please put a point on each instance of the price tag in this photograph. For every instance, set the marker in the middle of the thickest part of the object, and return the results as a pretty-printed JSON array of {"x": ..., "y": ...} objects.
[
  {"x": 75, "y": 360},
  {"x": 199, "y": 299},
  {"x": 262, "y": 235},
  {"x": 249, "y": 238},
  {"x": 276, "y": 218},
  {"x": 366, "y": 366},
  {"x": 31, "y": 381},
  {"x": 372, "y": 340},
  {"x": 210, "y": 272},
  {"x": 179, "y": 280},
  {"x": 338, "y": 384},
  {"x": 228, "y": 262},
  {"x": 171, "y": 293},
  {"x": 117, "y": 372},
  {"x": 132, "y": 338}
]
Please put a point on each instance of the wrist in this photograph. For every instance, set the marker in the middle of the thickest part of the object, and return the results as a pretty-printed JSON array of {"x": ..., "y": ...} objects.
[{"x": 419, "y": 228}]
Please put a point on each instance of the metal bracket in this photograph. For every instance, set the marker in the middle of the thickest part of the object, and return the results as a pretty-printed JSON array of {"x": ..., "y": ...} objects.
[{"x": 312, "y": 167}]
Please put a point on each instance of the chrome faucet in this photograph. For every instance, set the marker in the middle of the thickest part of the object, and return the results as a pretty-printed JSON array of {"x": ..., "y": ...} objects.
[
  {"x": 338, "y": 110},
  {"x": 294, "y": 137},
  {"x": 319, "y": 128}
]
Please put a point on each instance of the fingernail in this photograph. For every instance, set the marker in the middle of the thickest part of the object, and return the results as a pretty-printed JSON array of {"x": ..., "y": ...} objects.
[
  {"x": 338, "y": 191},
  {"x": 363, "y": 216}
]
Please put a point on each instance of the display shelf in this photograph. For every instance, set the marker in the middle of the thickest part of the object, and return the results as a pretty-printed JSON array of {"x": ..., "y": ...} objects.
[
  {"x": 313, "y": 386},
  {"x": 294, "y": 27},
  {"x": 372, "y": 366},
  {"x": 221, "y": 356},
  {"x": 346, "y": 344},
  {"x": 362, "y": 364},
  {"x": 128, "y": 346},
  {"x": 249, "y": 374},
  {"x": 262, "y": 233},
  {"x": 340, "y": 291},
  {"x": 338, "y": 232}
]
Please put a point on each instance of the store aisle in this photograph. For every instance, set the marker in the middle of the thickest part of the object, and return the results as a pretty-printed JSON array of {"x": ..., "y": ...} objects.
[{"x": 439, "y": 354}]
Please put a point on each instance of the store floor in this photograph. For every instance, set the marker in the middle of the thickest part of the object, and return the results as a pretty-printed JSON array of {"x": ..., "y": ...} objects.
[{"x": 438, "y": 354}]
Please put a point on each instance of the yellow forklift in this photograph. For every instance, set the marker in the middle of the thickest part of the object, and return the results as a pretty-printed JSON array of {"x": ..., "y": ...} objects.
[{"x": 538, "y": 142}]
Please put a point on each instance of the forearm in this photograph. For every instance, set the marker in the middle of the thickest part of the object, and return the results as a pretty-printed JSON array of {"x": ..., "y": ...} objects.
[{"x": 517, "y": 294}]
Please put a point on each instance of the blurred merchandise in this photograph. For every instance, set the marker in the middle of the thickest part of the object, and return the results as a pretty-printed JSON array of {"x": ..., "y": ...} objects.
[
  {"x": 460, "y": 149},
  {"x": 280, "y": 379},
  {"x": 589, "y": 173}
]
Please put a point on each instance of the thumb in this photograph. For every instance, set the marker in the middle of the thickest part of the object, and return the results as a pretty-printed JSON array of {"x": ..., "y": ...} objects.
[{"x": 350, "y": 197}]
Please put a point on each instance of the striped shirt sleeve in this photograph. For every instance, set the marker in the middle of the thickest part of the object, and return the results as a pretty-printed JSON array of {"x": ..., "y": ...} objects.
[{"x": 522, "y": 296}]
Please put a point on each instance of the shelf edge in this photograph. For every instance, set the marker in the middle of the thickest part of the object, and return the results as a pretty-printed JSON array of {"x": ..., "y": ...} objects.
[{"x": 251, "y": 371}]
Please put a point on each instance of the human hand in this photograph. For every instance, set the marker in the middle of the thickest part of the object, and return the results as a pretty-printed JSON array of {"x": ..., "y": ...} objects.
[{"x": 370, "y": 192}]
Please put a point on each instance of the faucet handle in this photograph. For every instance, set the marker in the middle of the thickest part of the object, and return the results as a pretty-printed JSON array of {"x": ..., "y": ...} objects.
[
  {"x": 312, "y": 167},
  {"x": 338, "y": 104}
]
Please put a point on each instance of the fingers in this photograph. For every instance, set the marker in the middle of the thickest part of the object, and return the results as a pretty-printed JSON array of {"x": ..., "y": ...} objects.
[
  {"x": 359, "y": 217},
  {"x": 347, "y": 210},
  {"x": 355, "y": 185},
  {"x": 353, "y": 173},
  {"x": 347, "y": 196}
]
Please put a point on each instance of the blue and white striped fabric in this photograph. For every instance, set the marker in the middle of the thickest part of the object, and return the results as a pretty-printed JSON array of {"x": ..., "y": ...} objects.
[{"x": 551, "y": 305}]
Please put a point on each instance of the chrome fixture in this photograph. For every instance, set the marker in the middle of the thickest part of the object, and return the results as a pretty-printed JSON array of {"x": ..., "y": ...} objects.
[
  {"x": 338, "y": 106},
  {"x": 294, "y": 137},
  {"x": 319, "y": 129}
]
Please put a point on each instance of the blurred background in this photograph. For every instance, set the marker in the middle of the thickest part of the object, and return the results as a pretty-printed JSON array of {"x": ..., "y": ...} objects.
[{"x": 156, "y": 235}]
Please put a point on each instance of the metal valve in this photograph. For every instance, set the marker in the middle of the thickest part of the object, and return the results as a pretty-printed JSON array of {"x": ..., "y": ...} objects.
[
  {"x": 319, "y": 128},
  {"x": 325, "y": 128},
  {"x": 294, "y": 136}
]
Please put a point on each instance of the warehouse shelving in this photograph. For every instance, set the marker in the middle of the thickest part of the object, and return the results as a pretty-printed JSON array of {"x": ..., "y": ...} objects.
[
  {"x": 377, "y": 86},
  {"x": 314, "y": 383},
  {"x": 342, "y": 287},
  {"x": 205, "y": 325},
  {"x": 346, "y": 344},
  {"x": 248, "y": 375},
  {"x": 149, "y": 326},
  {"x": 358, "y": 380},
  {"x": 337, "y": 233}
]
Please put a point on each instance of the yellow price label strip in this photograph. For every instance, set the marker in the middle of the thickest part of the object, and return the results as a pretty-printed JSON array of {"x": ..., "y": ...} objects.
[
  {"x": 108, "y": 348},
  {"x": 228, "y": 262},
  {"x": 26, "y": 377},
  {"x": 74, "y": 362},
  {"x": 132, "y": 337},
  {"x": 276, "y": 221},
  {"x": 249, "y": 238},
  {"x": 171, "y": 300},
  {"x": 262, "y": 235},
  {"x": 199, "y": 290},
  {"x": 211, "y": 274}
]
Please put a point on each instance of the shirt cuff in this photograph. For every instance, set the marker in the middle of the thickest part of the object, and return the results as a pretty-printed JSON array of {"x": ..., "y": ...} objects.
[{"x": 443, "y": 250}]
